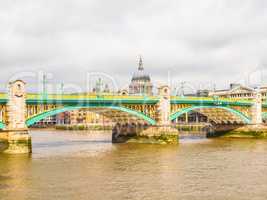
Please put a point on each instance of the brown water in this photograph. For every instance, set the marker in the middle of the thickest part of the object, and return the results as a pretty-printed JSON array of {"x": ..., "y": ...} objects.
[{"x": 68, "y": 165}]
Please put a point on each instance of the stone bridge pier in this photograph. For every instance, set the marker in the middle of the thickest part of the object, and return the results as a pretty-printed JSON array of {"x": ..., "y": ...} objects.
[
  {"x": 15, "y": 134},
  {"x": 256, "y": 111},
  {"x": 255, "y": 127},
  {"x": 161, "y": 133}
]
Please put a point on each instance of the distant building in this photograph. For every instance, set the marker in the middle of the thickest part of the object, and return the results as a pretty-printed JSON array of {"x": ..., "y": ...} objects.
[
  {"x": 101, "y": 87},
  {"x": 238, "y": 91},
  {"x": 198, "y": 93},
  {"x": 63, "y": 118},
  {"x": 123, "y": 92},
  {"x": 106, "y": 89},
  {"x": 85, "y": 116},
  {"x": 202, "y": 93},
  {"x": 48, "y": 121},
  {"x": 141, "y": 82},
  {"x": 82, "y": 116}
]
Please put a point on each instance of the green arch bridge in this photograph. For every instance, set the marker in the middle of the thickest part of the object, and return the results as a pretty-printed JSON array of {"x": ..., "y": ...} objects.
[{"x": 137, "y": 108}]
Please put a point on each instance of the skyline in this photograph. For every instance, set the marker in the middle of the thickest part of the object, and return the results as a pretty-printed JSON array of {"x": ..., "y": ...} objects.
[{"x": 34, "y": 81}]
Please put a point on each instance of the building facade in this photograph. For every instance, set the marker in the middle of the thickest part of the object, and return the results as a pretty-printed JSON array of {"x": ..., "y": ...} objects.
[
  {"x": 82, "y": 116},
  {"x": 238, "y": 91},
  {"x": 141, "y": 82}
]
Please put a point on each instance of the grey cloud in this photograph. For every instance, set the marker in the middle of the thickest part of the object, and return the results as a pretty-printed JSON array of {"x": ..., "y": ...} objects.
[{"x": 197, "y": 41}]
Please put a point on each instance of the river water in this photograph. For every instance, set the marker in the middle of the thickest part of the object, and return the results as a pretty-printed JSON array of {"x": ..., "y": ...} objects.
[{"x": 77, "y": 165}]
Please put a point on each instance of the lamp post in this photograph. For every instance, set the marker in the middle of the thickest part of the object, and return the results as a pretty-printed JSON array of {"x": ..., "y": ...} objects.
[
  {"x": 182, "y": 88},
  {"x": 44, "y": 92},
  {"x": 62, "y": 88},
  {"x": 99, "y": 84}
]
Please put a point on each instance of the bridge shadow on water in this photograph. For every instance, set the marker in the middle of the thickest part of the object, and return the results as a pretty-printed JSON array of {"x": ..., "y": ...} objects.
[
  {"x": 193, "y": 137},
  {"x": 56, "y": 142},
  {"x": 69, "y": 143}
]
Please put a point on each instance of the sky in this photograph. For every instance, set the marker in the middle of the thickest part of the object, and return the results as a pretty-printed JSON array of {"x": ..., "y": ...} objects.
[{"x": 206, "y": 44}]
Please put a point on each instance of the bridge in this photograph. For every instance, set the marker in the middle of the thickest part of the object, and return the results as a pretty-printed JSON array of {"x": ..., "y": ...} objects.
[{"x": 19, "y": 110}]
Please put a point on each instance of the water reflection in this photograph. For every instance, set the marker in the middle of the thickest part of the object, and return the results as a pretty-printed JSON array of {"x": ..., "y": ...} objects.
[
  {"x": 14, "y": 172},
  {"x": 75, "y": 165}
]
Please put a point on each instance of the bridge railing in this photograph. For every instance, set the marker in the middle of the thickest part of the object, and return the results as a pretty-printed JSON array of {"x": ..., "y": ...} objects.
[
  {"x": 3, "y": 95},
  {"x": 88, "y": 96},
  {"x": 82, "y": 96},
  {"x": 107, "y": 96},
  {"x": 211, "y": 99}
]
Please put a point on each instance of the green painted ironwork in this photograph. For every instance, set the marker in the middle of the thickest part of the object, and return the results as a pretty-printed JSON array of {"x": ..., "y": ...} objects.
[
  {"x": 2, "y": 125},
  {"x": 264, "y": 115},
  {"x": 98, "y": 100},
  {"x": 108, "y": 100},
  {"x": 43, "y": 115},
  {"x": 235, "y": 112},
  {"x": 107, "y": 97},
  {"x": 210, "y": 102}
]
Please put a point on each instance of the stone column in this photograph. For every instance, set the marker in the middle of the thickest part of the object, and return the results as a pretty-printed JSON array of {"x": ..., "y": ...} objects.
[
  {"x": 186, "y": 118},
  {"x": 164, "y": 106},
  {"x": 256, "y": 109},
  {"x": 17, "y": 136},
  {"x": 162, "y": 132},
  {"x": 197, "y": 118}
]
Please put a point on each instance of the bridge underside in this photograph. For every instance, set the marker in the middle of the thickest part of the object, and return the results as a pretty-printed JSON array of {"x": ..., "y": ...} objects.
[
  {"x": 220, "y": 116},
  {"x": 264, "y": 116},
  {"x": 117, "y": 116},
  {"x": 216, "y": 114},
  {"x": 115, "y": 113},
  {"x": 2, "y": 125}
]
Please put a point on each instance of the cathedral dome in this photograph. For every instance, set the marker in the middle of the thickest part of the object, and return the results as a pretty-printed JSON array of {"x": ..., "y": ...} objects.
[
  {"x": 141, "y": 82},
  {"x": 140, "y": 75}
]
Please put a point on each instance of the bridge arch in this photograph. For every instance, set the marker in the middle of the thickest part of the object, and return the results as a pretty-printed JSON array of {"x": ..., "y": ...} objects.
[
  {"x": 2, "y": 125},
  {"x": 36, "y": 118},
  {"x": 264, "y": 115},
  {"x": 234, "y": 112}
]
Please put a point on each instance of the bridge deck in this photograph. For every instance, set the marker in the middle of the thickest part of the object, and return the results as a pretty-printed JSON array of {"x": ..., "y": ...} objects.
[{"x": 33, "y": 98}]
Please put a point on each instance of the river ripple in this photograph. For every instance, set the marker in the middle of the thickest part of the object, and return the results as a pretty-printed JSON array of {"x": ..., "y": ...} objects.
[{"x": 76, "y": 165}]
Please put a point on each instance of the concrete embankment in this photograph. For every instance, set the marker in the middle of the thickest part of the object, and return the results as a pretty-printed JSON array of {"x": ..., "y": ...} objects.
[
  {"x": 84, "y": 127},
  {"x": 145, "y": 135},
  {"x": 248, "y": 131}
]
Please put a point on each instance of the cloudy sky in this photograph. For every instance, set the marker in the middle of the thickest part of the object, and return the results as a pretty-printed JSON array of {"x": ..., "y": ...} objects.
[{"x": 203, "y": 42}]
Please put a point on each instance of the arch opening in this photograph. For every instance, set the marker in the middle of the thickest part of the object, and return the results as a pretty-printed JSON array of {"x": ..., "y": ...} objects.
[
  {"x": 2, "y": 125},
  {"x": 109, "y": 111},
  {"x": 264, "y": 117},
  {"x": 217, "y": 114}
]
